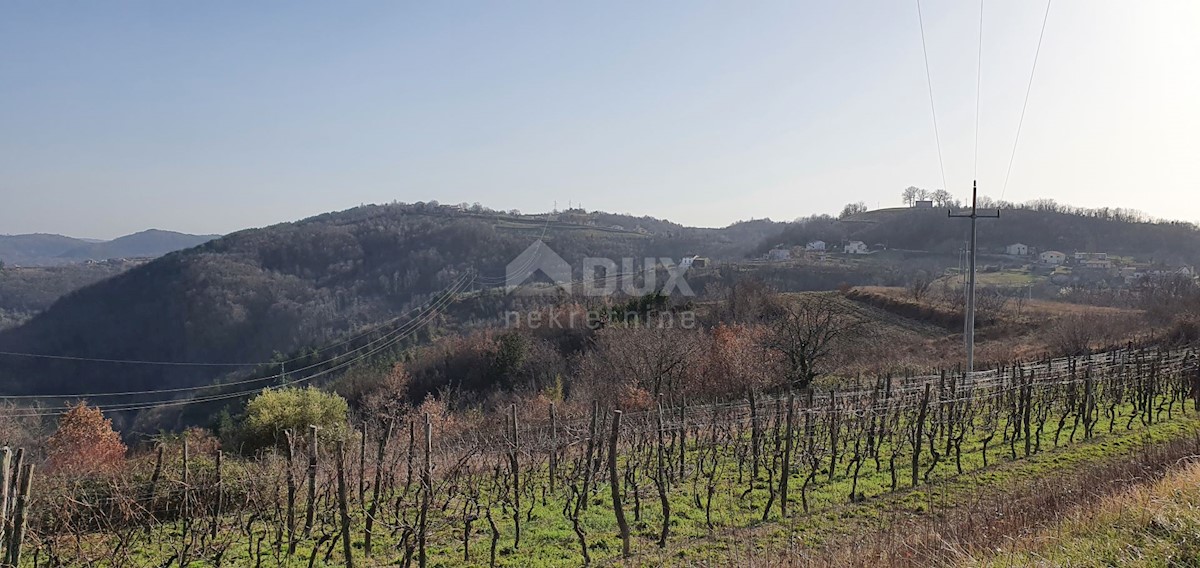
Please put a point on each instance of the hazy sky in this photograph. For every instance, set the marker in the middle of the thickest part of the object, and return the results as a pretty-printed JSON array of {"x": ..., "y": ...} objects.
[{"x": 216, "y": 116}]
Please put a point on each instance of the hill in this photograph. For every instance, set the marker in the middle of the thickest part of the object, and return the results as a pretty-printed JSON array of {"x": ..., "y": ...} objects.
[
  {"x": 150, "y": 243},
  {"x": 25, "y": 291},
  {"x": 253, "y": 294},
  {"x": 35, "y": 249},
  {"x": 55, "y": 250}
]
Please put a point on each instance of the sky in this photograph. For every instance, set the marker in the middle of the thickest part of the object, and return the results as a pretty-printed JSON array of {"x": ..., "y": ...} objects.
[{"x": 210, "y": 117}]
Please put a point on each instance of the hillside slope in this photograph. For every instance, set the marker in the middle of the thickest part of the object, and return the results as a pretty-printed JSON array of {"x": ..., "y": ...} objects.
[
  {"x": 255, "y": 293},
  {"x": 931, "y": 230}
]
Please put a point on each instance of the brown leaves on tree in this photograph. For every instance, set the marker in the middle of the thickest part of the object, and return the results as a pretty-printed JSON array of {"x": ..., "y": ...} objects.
[{"x": 85, "y": 443}]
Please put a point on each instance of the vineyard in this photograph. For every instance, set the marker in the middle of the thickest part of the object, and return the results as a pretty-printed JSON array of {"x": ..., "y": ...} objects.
[{"x": 557, "y": 490}]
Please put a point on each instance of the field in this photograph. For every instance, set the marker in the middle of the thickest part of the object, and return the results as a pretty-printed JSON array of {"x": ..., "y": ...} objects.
[{"x": 669, "y": 485}]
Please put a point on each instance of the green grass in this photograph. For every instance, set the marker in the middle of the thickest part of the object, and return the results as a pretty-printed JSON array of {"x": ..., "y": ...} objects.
[{"x": 548, "y": 539}]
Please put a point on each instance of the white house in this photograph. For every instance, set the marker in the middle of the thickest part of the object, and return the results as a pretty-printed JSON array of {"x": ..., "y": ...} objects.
[
  {"x": 815, "y": 246},
  {"x": 1052, "y": 257},
  {"x": 777, "y": 254},
  {"x": 1016, "y": 249},
  {"x": 856, "y": 247}
]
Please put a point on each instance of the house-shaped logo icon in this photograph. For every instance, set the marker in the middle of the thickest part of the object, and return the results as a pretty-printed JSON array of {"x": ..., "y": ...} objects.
[{"x": 538, "y": 257}]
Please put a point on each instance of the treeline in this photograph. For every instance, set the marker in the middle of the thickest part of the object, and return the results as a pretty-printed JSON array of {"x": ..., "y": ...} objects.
[{"x": 1042, "y": 224}]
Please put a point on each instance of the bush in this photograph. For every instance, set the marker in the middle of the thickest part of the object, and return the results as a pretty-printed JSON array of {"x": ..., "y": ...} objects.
[
  {"x": 273, "y": 411},
  {"x": 84, "y": 444}
]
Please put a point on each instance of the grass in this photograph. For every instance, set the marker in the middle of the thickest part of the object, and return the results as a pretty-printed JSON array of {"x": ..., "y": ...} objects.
[
  {"x": 548, "y": 540},
  {"x": 1153, "y": 525}
]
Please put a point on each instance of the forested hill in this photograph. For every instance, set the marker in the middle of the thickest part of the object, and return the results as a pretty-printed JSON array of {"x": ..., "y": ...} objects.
[
  {"x": 255, "y": 293},
  {"x": 1063, "y": 230}
]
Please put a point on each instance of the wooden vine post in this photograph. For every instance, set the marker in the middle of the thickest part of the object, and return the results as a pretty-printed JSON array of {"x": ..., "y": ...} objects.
[
  {"x": 5, "y": 475},
  {"x": 343, "y": 506},
  {"x": 426, "y": 489},
  {"x": 374, "y": 508},
  {"x": 291, "y": 491},
  {"x": 20, "y": 516},
  {"x": 615, "y": 484},
  {"x": 311, "y": 509},
  {"x": 516, "y": 476}
]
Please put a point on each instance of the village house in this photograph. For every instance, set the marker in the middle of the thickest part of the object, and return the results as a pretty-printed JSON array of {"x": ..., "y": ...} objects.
[
  {"x": 1097, "y": 260},
  {"x": 1052, "y": 257},
  {"x": 856, "y": 247},
  {"x": 779, "y": 254},
  {"x": 1016, "y": 249},
  {"x": 818, "y": 246}
]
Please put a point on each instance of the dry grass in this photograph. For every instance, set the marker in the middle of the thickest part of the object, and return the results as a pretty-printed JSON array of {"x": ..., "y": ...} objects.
[{"x": 1149, "y": 525}]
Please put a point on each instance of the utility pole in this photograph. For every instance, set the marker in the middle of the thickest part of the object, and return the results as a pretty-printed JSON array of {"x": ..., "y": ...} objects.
[{"x": 974, "y": 215}]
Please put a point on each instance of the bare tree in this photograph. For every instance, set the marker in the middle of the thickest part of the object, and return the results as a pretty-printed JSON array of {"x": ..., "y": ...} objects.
[
  {"x": 805, "y": 332},
  {"x": 942, "y": 198},
  {"x": 910, "y": 195},
  {"x": 853, "y": 209},
  {"x": 919, "y": 283}
]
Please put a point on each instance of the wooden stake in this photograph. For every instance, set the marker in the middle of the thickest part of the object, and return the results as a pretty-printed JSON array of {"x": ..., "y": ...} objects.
[{"x": 615, "y": 484}]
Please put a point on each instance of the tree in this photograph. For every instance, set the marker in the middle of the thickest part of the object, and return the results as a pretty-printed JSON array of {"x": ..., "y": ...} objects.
[
  {"x": 273, "y": 411},
  {"x": 388, "y": 398},
  {"x": 804, "y": 334},
  {"x": 919, "y": 283},
  {"x": 853, "y": 209},
  {"x": 910, "y": 195},
  {"x": 942, "y": 198},
  {"x": 85, "y": 443}
]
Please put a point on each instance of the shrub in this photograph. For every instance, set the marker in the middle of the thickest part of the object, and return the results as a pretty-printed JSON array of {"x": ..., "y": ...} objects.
[
  {"x": 273, "y": 411},
  {"x": 84, "y": 444}
]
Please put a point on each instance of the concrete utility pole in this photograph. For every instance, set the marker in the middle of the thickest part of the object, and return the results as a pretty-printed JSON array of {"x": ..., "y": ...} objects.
[{"x": 974, "y": 215}]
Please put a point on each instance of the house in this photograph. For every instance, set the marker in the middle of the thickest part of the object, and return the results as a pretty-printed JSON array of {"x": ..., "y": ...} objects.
[
  {"x": 1052, "y": 257},
  {"x": 694, "y": 261},
  {"x": 818, "y": 246},
  {"x": 856, "y": 247},
  {"x": 923, "y": 204},
  {"x": 617, "y": 227},
  {"x": 779, "y": 254},
  {"x": 1016, "y": 249},
  {"x": 1098, "y": 260}
]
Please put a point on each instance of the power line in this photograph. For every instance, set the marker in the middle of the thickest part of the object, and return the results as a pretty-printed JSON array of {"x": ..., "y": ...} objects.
[
  {"x": 932, "y": 107},
  {"x": 421, "y": 323},
  {"x": 1025, "y": 105},
  {"x": 978, "y": 84},
  {"x": 454, "y": 289}
]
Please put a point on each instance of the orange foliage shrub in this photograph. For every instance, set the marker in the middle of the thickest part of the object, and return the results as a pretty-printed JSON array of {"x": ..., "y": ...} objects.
[{"x": 85, "y": 443}]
